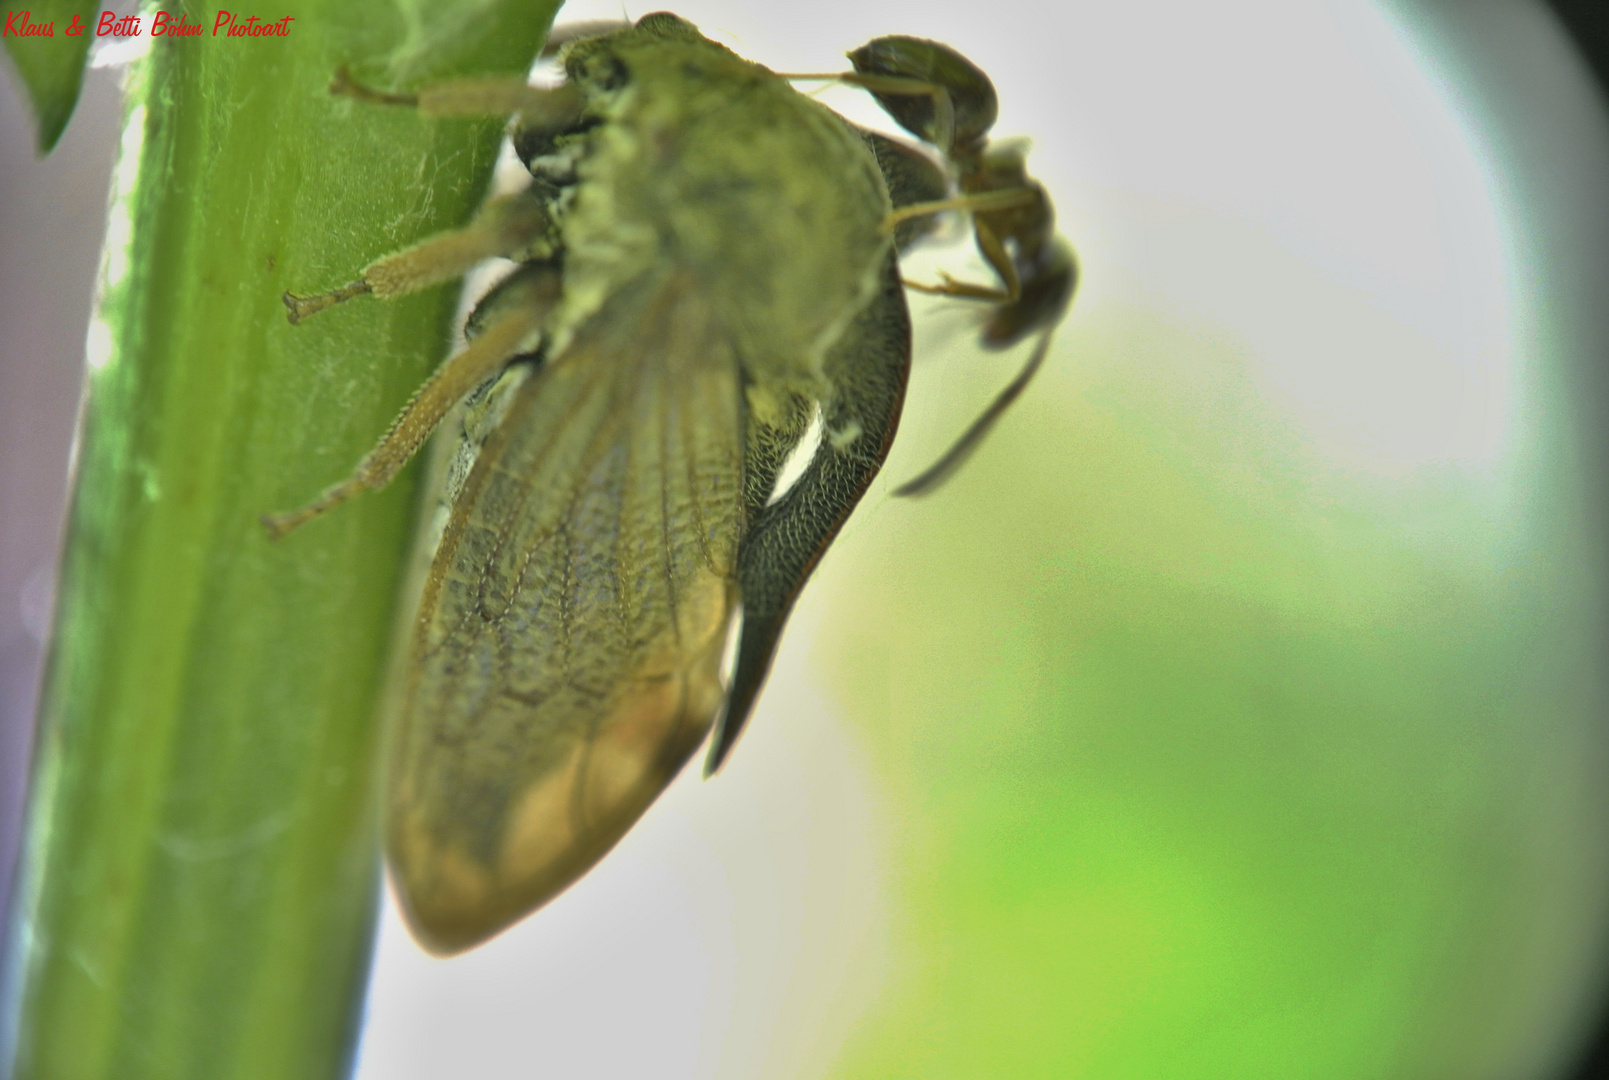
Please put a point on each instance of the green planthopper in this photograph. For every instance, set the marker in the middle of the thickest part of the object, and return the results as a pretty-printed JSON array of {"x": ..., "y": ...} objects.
[{"x": 707, "y": 266}]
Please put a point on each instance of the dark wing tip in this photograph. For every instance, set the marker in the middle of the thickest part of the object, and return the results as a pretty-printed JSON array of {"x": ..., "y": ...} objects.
[{"x": 727, "y": 729}]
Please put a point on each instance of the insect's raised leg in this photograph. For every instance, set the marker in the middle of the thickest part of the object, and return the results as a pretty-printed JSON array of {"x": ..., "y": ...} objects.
[
  {"x": 867, "y": 370},
  {"x": 510, "y": 327},
  {"x": 510, "y": 226}
]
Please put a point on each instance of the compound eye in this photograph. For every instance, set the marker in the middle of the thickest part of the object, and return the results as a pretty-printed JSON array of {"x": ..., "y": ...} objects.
[{"x": 603, "y": 72}]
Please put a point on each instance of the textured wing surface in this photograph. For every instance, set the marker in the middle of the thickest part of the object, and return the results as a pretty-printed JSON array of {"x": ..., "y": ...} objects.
[{"x": 564, "y": 663}]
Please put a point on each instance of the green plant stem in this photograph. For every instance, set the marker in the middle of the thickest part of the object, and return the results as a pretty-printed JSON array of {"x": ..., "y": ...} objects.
[{"x": 198, "y": 889}]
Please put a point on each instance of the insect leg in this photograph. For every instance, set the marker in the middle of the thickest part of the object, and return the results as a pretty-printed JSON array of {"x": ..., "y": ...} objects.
[
  {"x": 982, "y": 202},
  {"x": 956, "y": 456},
  {"x": 485, "y": 96},
  {"x": 994, "y": 252},
  {"x": 966, "y": 290},
  {"x": 867, "y": 370},
  {"x": 513, "y": 321},
  {"x": 511, "y": 226}
]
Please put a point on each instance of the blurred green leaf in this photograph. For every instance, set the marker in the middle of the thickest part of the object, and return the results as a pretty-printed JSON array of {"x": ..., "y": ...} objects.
[{"x": 51, "y": 68}]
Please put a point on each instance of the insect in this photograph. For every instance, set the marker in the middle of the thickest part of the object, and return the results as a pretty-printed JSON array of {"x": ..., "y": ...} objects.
[
  {"x": 1016, "y": 234},
  {"x": 707, "y": 264}
]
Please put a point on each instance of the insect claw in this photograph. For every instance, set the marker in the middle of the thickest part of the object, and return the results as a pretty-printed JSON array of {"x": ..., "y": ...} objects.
[
  {"x": 300, "y": 307},
  {"x": 277, "y": 525},
  {"x": 342, "y": 84},
  {"x": 293, "y": 313}
]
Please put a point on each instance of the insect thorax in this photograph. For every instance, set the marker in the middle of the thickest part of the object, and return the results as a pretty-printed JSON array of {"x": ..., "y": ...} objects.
[{"x": 709, "y": 167}]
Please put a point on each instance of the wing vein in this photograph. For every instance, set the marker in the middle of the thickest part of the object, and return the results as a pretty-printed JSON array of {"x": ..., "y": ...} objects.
[{"x": 667, "y": 555}]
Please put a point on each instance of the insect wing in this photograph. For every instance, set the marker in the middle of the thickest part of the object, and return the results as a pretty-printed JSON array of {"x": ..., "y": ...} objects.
[{"x": 565, "y": 658}]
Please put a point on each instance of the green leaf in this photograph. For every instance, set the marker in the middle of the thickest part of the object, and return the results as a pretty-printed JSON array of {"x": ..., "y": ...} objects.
[
  {"x": 51, "y": 67},
  {"x": 197, "y": 895}
]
